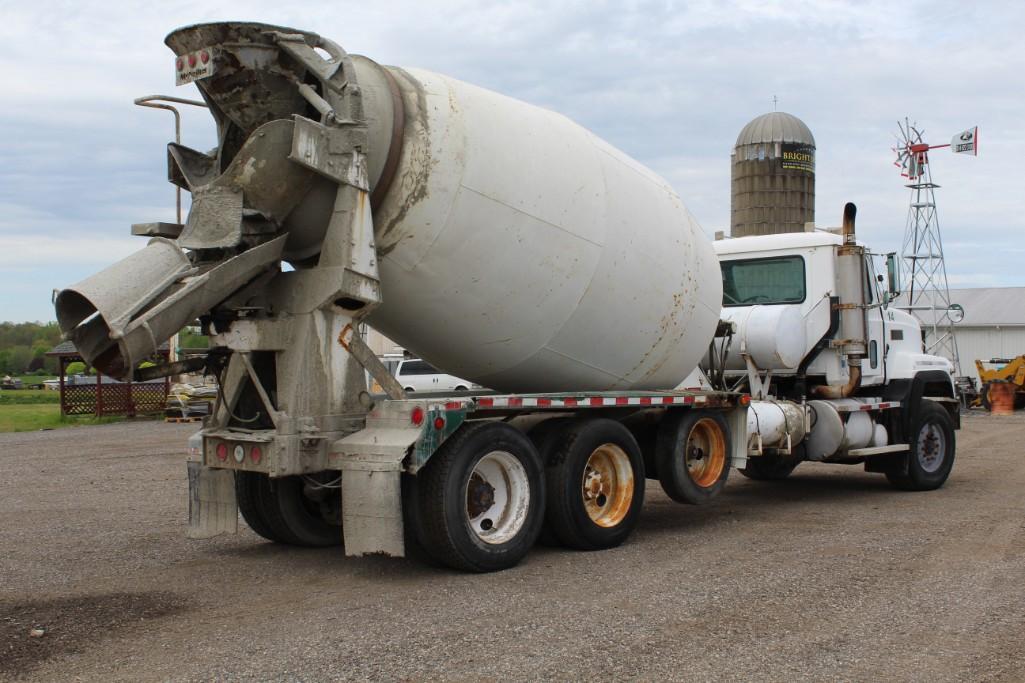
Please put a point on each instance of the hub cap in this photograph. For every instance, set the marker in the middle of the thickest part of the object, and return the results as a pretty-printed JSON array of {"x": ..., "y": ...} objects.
[
  {"x": 607, "y": 485},
  {"x": 497, "y": 497},
  {"x": 932, "y": 447},
  {"x": 705, "y": 453}
]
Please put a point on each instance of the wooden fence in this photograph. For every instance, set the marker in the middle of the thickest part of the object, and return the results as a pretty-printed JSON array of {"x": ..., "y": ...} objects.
[{"x": 129, "y": 398}]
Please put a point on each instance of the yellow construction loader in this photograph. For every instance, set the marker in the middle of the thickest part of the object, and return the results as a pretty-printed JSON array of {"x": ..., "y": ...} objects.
[{"x": 1004, "y": 371}]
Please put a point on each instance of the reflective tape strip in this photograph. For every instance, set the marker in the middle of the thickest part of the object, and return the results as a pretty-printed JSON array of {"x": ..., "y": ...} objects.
[
  {"x": 864, "y": 407},
  {"x": 585, "y": 401}
]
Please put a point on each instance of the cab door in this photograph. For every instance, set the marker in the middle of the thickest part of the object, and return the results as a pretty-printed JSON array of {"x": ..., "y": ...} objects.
[{"x": 873, "y": 368}]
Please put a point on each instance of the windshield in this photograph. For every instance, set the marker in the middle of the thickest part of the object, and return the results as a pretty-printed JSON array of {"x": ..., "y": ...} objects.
[{"x": 776, "y": 280}]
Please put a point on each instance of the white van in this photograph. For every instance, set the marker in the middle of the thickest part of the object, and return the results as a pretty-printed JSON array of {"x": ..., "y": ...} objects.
[{"x": 419, "y": 375}]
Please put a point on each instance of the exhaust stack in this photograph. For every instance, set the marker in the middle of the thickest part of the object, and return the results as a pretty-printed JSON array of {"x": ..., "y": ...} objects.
[{"x": 850, "y": 286}]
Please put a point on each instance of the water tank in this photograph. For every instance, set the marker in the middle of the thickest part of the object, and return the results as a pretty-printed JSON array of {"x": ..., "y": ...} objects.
[{"x": 773, "y": 175}]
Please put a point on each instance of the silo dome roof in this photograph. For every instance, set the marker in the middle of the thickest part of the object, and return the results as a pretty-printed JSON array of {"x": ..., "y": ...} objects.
[{"x": 776, "y": 126}]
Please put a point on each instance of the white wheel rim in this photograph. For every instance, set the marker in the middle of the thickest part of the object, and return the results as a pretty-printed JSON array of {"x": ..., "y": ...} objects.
[
  {"x": 932, "y": 447},
  {"x": 497, "y": 497}
]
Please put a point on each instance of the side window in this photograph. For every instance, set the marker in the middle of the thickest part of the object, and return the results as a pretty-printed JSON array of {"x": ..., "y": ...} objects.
[
  {"x": 772, "y": 280},
  {"x": 417, "y": 367},
  {"x": 871, "y": 291}
]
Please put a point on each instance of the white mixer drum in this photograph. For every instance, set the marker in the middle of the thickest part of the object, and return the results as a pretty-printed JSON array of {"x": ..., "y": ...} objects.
[{"x": 520, "y": 251}]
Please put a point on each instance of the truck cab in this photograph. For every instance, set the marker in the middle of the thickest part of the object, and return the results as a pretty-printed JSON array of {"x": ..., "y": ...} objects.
[{"x": 798, "y": 272}]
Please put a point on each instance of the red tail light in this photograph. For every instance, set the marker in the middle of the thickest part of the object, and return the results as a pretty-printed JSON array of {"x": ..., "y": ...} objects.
[
  {"x": 222, "y": 452},
  {"x": 192, "y": 60},
  {"x": 417, "y": 416},
  {"x": 204, "y": 56},
  {"x": 179, "y": 64},
  {"x": 255, "y": 455},
  {"x": 439, "y": 423}
]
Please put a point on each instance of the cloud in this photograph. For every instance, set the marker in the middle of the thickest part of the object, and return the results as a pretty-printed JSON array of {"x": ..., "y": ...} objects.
[
  {"x": 670, "y": 83},
  {"x": 33, "y": 252}
]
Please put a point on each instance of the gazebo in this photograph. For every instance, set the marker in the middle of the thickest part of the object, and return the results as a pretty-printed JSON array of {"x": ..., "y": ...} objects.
[{"x": 106, "y": 396}]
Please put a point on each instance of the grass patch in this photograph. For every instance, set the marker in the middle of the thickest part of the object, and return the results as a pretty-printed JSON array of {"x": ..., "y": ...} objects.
[
  {"x": 27, "y": 397},
  {"x": 29, "y": 418},
  {"x": 34, "y": 379}
]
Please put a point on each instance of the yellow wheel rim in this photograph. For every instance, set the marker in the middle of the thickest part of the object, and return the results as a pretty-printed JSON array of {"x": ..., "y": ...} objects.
[
  {"x": 607, "y": 485},
  {"x": 705, "y": 452}
]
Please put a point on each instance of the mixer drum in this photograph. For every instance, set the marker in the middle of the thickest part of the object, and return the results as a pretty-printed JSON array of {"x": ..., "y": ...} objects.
[{"x": 522, "y": 252}]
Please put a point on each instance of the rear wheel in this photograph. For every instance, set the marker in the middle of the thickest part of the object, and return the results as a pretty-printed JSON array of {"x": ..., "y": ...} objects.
[
  {"x": 595, "y": 476},
  {"x": 247, "y": 494},
  {"x": 932, "y": 451},
  {"x": 545, "y": 437},
  {"x": 480, "y": 498},
  {"x": 692, "y": 455},
  {"x": 298, "y": 510}
]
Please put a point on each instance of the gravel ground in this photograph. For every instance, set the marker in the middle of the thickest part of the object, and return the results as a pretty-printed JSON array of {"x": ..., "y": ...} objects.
[{"x": 831, "y": 575}]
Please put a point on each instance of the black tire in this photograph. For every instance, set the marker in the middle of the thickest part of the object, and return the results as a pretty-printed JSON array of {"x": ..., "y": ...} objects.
[
  {"x": 247, "y": 494},
  {"x": 931, "y": 458},
  {"x": 280, "y": 511},
  {"x": 579, "y": 452},
  {"x": 698, "y": 475},
  {"x": 315, "y": 522},
  {"x": 984, "y": 397},
  {"x": 413, "y": 533},
  {"x": 773, "y": 467},
  {"x": 544, "y": 435},
  {"x": 443, "y": 490}
]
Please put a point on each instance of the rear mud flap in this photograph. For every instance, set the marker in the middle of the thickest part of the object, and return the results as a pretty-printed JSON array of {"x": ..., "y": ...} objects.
[
  {"x": 372, "y": 509},
  {"x": 213, "y": 509}
]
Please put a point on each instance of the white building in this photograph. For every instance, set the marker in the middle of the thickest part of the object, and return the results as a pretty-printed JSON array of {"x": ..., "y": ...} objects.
[{"x": 993, "y": 325}]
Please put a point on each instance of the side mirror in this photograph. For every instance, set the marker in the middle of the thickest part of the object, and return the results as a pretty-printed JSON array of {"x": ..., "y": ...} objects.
[{"x": 892, "y": 287}]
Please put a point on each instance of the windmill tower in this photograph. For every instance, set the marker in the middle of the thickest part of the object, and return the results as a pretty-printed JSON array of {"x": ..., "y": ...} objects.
[{"x": 923, "y": 275}]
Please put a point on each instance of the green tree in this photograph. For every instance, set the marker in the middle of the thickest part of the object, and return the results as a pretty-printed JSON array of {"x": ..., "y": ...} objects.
[
  {"x": 189, "y": 338},
  {"x": 19, "y": 359}
]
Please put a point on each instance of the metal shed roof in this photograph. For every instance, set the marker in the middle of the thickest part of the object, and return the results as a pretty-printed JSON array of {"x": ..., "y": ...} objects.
[
  {"x": 988, "y": 306},
  {"x": 776, "y": 126}
]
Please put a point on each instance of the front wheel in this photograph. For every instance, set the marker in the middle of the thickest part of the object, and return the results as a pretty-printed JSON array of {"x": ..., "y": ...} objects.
[
  {"x": 692, "y": 455},
  {"x": 984, "y": 398},
  {"x": 932, "y": 451},
  {"x": 480, "y": 498}
]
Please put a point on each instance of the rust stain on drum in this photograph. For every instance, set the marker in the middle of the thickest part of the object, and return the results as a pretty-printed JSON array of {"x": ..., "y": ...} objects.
[{"x": 412, "y": 186}]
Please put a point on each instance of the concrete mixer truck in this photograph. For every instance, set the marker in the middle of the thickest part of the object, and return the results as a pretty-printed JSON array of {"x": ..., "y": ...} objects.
[{"x": 504, "y": 244}]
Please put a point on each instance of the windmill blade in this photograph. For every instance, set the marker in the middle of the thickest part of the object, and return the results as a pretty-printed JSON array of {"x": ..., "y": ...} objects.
[{"x": 903, "y": 150}]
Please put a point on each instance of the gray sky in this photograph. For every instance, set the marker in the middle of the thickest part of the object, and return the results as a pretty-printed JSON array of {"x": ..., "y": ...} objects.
[{"x": 670, "y": 83}]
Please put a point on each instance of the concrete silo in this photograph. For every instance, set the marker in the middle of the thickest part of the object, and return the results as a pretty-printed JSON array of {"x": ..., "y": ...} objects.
[{"x": 773, "y": 174}]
